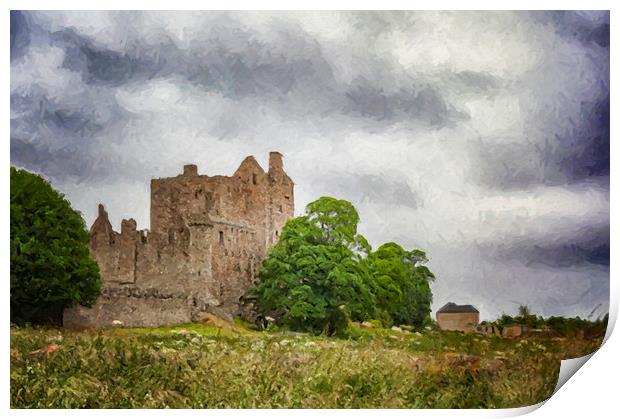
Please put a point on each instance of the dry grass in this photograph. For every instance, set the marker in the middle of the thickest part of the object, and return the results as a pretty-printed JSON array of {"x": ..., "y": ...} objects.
[{"x": 216, "y": 365}]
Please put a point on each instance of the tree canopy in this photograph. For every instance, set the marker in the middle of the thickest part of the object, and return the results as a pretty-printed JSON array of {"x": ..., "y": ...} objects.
[
  {"x": 401, "y": 283},
  {"x": 51, "y": 267},
  {"x": 322, "y": 273}
]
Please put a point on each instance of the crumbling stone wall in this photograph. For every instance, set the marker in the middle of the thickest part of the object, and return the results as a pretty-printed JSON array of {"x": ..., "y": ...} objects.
[{"x": 207, "y": 239}]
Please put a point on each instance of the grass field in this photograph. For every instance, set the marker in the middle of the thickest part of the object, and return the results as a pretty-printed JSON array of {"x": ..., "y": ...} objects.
[{"x": 223, "y": 366}]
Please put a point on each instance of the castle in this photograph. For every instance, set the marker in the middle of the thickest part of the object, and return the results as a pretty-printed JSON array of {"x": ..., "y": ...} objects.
[{"x": 208, "y": 237}]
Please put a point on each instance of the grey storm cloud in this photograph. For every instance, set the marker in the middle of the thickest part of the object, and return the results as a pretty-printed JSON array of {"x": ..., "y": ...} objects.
[
  {"x": 367, "y": 188},
  {"x": 590, "y": 247},
  {"x": 481, "y": 137}
]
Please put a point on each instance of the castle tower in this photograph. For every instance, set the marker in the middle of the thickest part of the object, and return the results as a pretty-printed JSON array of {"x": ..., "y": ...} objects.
[
  {"x": 275, "y": 162},
  {"x": 281, "y": 205},
  {"x": 101, "y": 232}
]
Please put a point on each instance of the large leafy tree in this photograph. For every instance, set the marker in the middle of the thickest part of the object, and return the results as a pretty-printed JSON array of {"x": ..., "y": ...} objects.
[
  {"x": 51, "y": 268},
  {"x": 322, "y": 272},
  {"x": 337, "y": 221},
  {"x": 312, "y": 278},
  {"x": 401, "y": 283}
]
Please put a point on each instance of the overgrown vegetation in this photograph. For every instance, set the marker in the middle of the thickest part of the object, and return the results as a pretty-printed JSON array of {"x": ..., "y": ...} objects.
[
  {"x": 565, "y": 326},
  {"x": 51, "y": 267},
  {"x": 322, "y": 273},
  {"x": 205, "y": 366}
]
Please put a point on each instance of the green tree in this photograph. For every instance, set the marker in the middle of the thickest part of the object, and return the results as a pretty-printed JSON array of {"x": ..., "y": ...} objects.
[
  {"x": 401, "y": 284},
  {"x": 337, "y": 221},
  {"x": 523, "y": 310},
  {"x": 322, "y": 273},
  {"x": 313, "y": 278},
  {"x": 528, "y": 319},
  {"x": 51, "y": 268}
]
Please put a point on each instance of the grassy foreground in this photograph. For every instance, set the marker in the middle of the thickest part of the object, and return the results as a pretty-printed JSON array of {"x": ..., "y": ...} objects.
[{"x": 222, "y": 366}]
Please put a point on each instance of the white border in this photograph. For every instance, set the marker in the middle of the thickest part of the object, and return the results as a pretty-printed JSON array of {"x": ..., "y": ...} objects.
[
  {"x": 311, "y": 5},
  {"x": 592, "y": 392}
]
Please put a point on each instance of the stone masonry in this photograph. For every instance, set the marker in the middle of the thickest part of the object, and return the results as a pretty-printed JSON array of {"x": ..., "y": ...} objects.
[
  {"x": 452, "y": 316},
  {"x": 208, "y": 237}
]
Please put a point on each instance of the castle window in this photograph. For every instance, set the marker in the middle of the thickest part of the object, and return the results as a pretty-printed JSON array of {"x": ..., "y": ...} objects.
[
  {"x": 280, "y": 208},
  {"x": 287, "y": 197},
  {"x": 276, "y": 233},
  {"x": 221, "y": 237},
  {"x": 254, "y": 179}
]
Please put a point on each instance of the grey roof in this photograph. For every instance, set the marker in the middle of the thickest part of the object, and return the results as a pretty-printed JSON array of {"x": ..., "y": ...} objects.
[{"x": 455, "y": 308}]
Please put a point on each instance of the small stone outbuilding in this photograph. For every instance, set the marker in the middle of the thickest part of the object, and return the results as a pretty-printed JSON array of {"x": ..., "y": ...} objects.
[
  {"x": 513, "y": 330},
  {"x": 462, "y": 318}
]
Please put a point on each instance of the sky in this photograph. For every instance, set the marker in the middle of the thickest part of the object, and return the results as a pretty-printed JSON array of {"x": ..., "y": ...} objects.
[{"x": 479, "y": 137}]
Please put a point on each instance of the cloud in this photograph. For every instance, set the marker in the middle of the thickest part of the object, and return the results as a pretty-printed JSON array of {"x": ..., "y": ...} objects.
[
  {"x": 19, "y": 34},
  {"x": 486, "y": 146}
]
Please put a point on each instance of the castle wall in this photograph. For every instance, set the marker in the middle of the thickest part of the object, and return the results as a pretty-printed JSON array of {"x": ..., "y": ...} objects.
[
  {"x": 140, "y": 309},
  {"x": 207, "y": 240}
]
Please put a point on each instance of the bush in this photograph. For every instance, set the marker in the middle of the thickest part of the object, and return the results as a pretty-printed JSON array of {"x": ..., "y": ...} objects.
[{"x": 51, "y": 267}]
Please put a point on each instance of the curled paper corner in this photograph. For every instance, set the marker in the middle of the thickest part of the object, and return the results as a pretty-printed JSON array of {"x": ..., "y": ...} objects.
[
  {"x": 611, "y": 324},
  {"x": 568, "y": 367},
  {"x": 518, "y": 411}
]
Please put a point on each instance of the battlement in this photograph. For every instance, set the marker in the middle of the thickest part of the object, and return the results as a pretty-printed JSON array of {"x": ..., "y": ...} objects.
[
  {"x": 190, "y": 170},
  {"x": 275, "y": 161},
  {"x": 243, "y": 198}
]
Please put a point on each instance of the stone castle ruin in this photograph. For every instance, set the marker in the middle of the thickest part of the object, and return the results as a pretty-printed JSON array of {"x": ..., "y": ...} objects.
[{"x": 208, "y": 237}]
